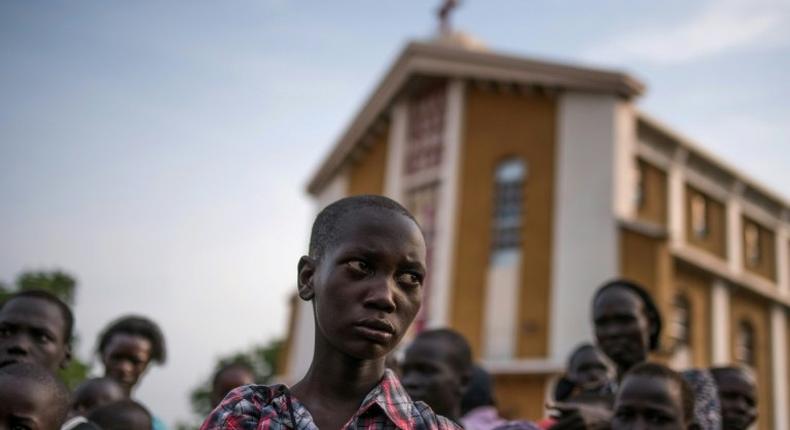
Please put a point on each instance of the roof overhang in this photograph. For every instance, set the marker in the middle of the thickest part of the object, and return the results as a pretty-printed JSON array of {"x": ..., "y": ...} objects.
[{"x": 440, "y": 60}]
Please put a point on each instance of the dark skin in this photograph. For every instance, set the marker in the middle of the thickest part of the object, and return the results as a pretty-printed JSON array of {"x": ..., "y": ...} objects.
[
  {"x": 738, "y": 396},
  {"x": 366, "y": 289},
  {"x": 649, "y": 403},
  {"x": 428, "y": 376},
  {"x": 33, "y": 330},
  {"x": 24, "y": 404},
  {"x": 94, "y": 393},
  {"x": 228, "y": 380},
  {"x": 622, "y": 328},
  {"x": 126, "y": 358},
  {"x": 590, "y": 369}
]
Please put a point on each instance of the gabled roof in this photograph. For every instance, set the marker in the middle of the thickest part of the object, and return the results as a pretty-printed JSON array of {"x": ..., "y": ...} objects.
[{"x": 437, "y": 59}]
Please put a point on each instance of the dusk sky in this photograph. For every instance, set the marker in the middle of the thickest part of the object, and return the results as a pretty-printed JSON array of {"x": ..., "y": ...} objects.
[{"x": 159, "y": 151}]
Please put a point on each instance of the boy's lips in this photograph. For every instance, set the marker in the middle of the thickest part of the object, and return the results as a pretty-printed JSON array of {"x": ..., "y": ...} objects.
[{"x": 377, "y": 330}]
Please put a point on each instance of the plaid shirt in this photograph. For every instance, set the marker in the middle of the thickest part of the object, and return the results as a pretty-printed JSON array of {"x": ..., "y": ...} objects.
[{"x": 262, "y": 407}]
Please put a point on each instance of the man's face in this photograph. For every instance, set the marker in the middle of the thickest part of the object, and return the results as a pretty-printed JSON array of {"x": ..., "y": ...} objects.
[
  {"x": 428, "y": 376},
  {"x": 648, "y": 403},
  {"x": 590, "y": 369},
  {"x": 125, "y": 359},
  {"x": 33, "y": 330},
  {"x": 621, "y": 327},
  {"x": 738, "y": 396},
  {"x": 367, "y": 287},
  {"x": 25, "y": 404}
]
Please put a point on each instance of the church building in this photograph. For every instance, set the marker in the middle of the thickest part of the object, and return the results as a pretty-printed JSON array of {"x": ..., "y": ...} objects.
[{"x": 535, "y": 182}]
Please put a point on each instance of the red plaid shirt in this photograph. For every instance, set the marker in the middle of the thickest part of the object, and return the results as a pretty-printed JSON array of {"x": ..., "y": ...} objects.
[{"x": 262, "y": 407}]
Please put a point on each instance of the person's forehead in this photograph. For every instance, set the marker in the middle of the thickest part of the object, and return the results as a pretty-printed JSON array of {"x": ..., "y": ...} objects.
[
  {"x": 618, "y": 299},
  {"x": 129, "y": 343},
  {"x": 235, "y": 374},
  {"x": 380, "y": 222},
  {"x": 736, "y": 380},
  {"x": 33, "y": 311},
  {"x": 651, "y": 389},
  {"x": 587, "y": 356},
  {"x": 430, "y": 349}
]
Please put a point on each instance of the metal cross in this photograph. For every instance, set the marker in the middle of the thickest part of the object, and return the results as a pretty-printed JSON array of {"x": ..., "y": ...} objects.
[{"x": 444, "y": 15}]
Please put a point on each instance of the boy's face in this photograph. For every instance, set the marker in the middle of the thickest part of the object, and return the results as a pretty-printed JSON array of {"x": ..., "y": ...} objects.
[
  {"x": 648, "y": 403},
  {"x": 33, "y": 330},
  {"x": 590, "y": 369},
  {"x": 367, "y": 287},
  {"x": 97, "y": 393},
  {"x": 429, "y": 377},
  {"x": 621, "y": 327},
  {"x": 25, "y": 404},
  {"x": 227, "y": 381},
  {"x": 738, "y": 396},
  {"x": 125, "y": 358}
]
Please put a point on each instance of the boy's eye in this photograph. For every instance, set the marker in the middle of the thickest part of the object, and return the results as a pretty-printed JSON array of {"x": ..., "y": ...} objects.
[
  {"x": 410, "y": 279},
  {"x": 359, "y": 266}
]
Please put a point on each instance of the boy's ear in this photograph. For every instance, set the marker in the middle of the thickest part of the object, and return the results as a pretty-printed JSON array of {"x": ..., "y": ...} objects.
[{"x": 307, "y": 269}]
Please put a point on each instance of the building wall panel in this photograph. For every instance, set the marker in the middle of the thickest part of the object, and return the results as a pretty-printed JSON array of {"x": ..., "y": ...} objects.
[
  {"x": 715, "y": 239},
  {"x": 521, "y": 396},
  {"x": 366, "y": 175},
  {"x": 652, "y": 205}
]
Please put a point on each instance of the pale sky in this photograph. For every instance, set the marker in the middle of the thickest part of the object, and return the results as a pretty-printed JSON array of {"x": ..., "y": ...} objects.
[{"x": 159, "y": 150}]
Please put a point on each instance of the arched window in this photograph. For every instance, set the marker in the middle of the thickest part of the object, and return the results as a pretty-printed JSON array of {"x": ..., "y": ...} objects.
[
  {"x": 745, "y": 344},
  {"x": 509, "y": 179}
]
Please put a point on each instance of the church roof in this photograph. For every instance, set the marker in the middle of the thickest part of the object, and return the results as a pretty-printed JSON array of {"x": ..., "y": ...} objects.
[{"x": 460, "y": 57}]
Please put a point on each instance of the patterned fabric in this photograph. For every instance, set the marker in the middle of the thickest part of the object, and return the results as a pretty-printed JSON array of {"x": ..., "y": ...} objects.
[
  {"x": 482, "y": 418},
  {"x": 707, "y": 409},
  {"x": 519, "y": 425},
  {"x": 262, "y": 407}
]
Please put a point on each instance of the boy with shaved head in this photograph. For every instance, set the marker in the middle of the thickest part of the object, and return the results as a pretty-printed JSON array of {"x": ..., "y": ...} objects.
[
  {"x": 364, "y": 276},
  {"x": 31, "y": 396}
]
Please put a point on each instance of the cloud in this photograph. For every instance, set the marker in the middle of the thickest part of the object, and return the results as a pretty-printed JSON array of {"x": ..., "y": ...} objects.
[{"x": 720, "y": 26}]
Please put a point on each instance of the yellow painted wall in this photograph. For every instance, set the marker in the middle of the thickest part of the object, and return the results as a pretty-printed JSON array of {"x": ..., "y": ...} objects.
[
  {"x": 653, "y": 206},
  {"x": 696, "y": 286},
  {"x": 715, "y": 241},
  {"x": 497, "y": 126},
  {"x": 521, "y": 396},
  {"x": 767, "y": 264},
  {"x": 745, "y": 306},
  {"x": 366, "y": 175}
]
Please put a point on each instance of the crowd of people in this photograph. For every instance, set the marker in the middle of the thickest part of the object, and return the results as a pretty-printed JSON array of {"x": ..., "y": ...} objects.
[{"x": 364, "y": 273}]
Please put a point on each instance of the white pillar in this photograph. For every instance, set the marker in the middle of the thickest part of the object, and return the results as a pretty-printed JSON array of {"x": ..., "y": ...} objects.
[
  {"x": 500, "y": 322},
  {"x": 734, "y": 229},
  {"x": 677, "y": 200},
  {"x": 779, "y": 363},
  {"x": 720, "y": 314},
  {"x": 625, "y": 161},
  {"x": 396, "y": 146},
  {"x": 447, "y": 206}
]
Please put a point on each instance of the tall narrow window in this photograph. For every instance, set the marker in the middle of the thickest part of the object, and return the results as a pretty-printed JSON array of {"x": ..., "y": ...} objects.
[
  {"x": 699, "y": 215},
  {"x": 745, "y": 344},
  {"x": 425, "y": 129},
  {"x": 680, "y": 331},
  {"x": 751, "y": 239},
  {"x": 508, "y": 204}
]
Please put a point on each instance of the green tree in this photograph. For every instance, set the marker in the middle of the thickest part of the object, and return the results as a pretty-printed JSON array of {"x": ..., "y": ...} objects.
[
  {"x": 64, "y": 286},
  {"x": 261, "y": 358}
]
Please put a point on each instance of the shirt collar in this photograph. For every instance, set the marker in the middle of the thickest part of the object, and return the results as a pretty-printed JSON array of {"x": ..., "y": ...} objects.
[{"x": 392, "y": 398}]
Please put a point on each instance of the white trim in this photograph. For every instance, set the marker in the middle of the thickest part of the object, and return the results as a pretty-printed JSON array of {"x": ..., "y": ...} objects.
[
  {"x": 447, "y": 206},
  {"x": 625, "y": 161},
  {"x": 677, "y": 200},
  {"x": 706, "y": 185},
  {"x": 395, "y": 152},
  {"x": 500, "y": 307},
  {"x": 779, "y": 359},
  {"x": 530, "y": 366},
  {"x": 720, "y": 323},
  {"x": 734, "y": 236},
  {"x": 783, "y": 260}
]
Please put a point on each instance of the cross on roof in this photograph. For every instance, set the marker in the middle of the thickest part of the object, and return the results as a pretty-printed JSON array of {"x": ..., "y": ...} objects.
[{"x": 444, "y": 15}]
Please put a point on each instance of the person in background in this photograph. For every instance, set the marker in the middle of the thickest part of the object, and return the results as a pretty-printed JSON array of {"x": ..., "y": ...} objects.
[
  {"x": 124, "y": 414},
  {"x": 89, "y": 395},
  {"x": 127, "y": 347},
  {"x": 589, "y": 373},
  {"x": 737, "y": 389},
  {"x": 35, "y": 327},
  {"x": 436, "y": 370},
  {"x": 229, "y": 377},
  {"x": 478, "y": 407},
  {"x": 31, "y": 397},
  {"x": 653, "y": 397},
  {"x": 364, "y": 275},
  {"x": 707, "y": 408}
]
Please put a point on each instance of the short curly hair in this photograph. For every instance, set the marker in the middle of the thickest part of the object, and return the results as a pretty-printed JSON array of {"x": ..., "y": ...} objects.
[
  {"x": 651, "y": 310},
  {"x": 655, "y": 370},
  {"x": 65, "y": 310},
  {"x": 136, "y": 325},
  {"x": 325, "y": 229}
]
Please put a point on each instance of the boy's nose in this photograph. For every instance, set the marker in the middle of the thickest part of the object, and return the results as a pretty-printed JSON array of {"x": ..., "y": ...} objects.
[{"x": 381, "y": 296}]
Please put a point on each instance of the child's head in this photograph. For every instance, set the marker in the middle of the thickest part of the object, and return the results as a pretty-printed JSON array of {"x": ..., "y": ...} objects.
[
  {"x": 627, "y": 323},
  {"x": 738, "y": 395},
  {"x": 229, "y": 377},
  {"x": 655, "y": 397},
  {"x": 479, "y": 391},
  {"x": 122, "y": 415},
  {"x": 436, "y": 370},
  {"x": 127, "y": 346},
  {"x": 364, "y": 275},
  {"x": 31, "y": 396},
  {"x": 35, "y": 327},
  {"x": 589, "y": 368},
  {"x": 95, "y": 392}
]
